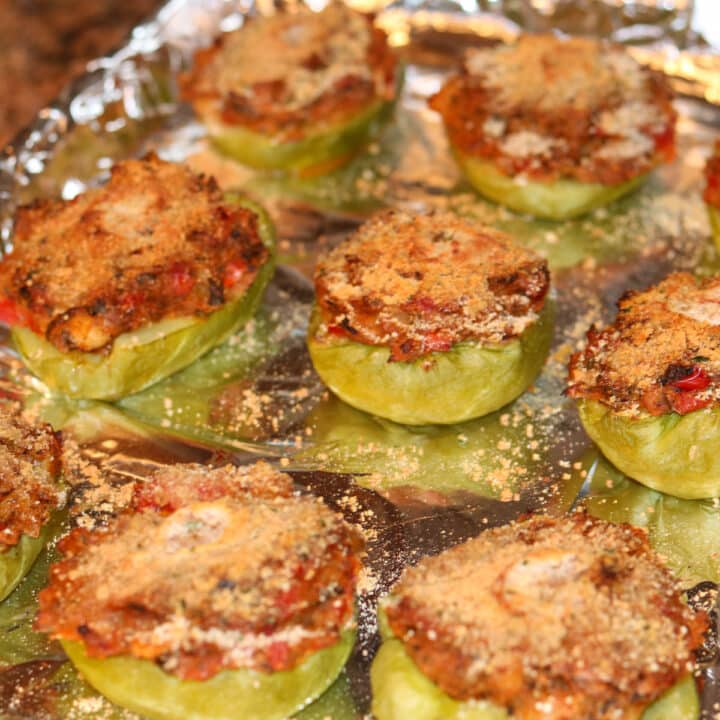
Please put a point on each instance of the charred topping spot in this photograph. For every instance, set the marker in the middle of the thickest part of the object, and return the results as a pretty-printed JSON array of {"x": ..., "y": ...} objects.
[
  {"x": 111, "y": 264},
  {"x": 345, "y": 324},
  {"x": 676, "y": 372},
  {"x": 209, "y": 569},
  {"x": 216, "y": 294},
  {"x": 422, "y": 283}
]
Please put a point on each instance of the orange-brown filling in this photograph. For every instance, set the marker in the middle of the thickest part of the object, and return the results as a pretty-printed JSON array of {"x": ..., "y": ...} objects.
[
  {"x": 30, "y": 462},
  {"x": 662, "y": 353},
  {"x": 156, "y": 242},
  {"x": 308, "y": 70},
  {"x": 712, "y": 173},
  {"x": 562, "y": 619},
  {"x": 549, "y": 108},
  {"x": 423, "y": 283}
]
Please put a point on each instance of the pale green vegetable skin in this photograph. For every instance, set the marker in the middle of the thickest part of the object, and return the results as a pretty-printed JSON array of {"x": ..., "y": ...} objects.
[
  {"x": 674, "y": 454},
  {"x": 141, "y": 358},
  {"x": 715, "y": 224},
  {"x": 141, "y": 686},
  {"x": 557, "y": 200},
  {"x": 464, "y": 382},
  {"x": 684, "y": 532},
  {"x": 17, "y": 561},
  {"x": 401, "y": 691},
  {"x": 322, "y": 146}
]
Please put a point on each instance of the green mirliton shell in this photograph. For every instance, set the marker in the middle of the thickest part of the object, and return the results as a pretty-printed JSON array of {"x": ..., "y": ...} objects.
[
  {"x": 557, "y": 200},
  {"x": 16, "y": 562},
  {"x": 715, "y": 224},
  {"x": 325, "y": 148},
  {"x": 402, "y": 691},
  {"x": 465, "y": 382},
  {"x": 141, "y": 358},
  {"x": 141, "y": 686},
  {"x": 674, "y": 454},
  {"x": 684, "y": 532}
]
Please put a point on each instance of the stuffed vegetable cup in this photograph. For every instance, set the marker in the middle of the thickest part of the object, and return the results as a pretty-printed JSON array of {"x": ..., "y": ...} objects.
[
  {"x": 712, "y": 192},
  {"x": 559, "y": 619},
  {"x": 31, "y": 495},
  {"x": 127, "y": 283},
  {"x": 648, "y": 386},
  {"x": 429, "y": 318},
  {"x": 554, "y": 126},
  {"x": 298, "y": 91},
  {"x": 218, "y": 594}
]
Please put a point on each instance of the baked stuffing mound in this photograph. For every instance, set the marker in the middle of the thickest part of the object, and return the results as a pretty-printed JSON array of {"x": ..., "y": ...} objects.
[
  {"x": 575, "y": 616},
  {"x": 208, "y": 570},
  {"x": 157, "y": 241},
  {"x": 660, "y": 355},
  {"x": 421, "y": 283},
  {"x": 549, "y": 108}
]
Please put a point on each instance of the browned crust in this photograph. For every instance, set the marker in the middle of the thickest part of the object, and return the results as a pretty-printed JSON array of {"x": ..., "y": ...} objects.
[
  {"x": 210, "y": 570},
  {"x": 575, "y": 614},
  {"x": 712, "y": 173},
  {"x": 261, "y": 107},
  {"x": 642, "y": 361},
  {"x": 157, "y": 241},
  {"x": 550, "y": 108},
  {"x": 421, "y": 283},
  {"x": 30, "y": 461}
]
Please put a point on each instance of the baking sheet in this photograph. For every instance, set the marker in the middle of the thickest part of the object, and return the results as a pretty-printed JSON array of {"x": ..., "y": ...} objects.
[{"x": 412, "y": 490}]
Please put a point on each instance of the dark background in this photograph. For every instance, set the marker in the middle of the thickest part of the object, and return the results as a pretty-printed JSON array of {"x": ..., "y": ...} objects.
[{"x": 44, "y": 43}]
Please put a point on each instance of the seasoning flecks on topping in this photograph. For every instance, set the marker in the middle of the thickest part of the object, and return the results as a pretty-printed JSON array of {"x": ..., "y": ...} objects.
[
  {"x": 548, "y": 107},
  {"x": 283, "y": 72},
  {"x": 30, "y": 462},
  {"x": 661, "y": 355},
  {"x": 577, "y": 614},
  {"x": 156, "y": 242},
  {"x": 211, "y": 570},
  {"x": 422, "y": 283}
]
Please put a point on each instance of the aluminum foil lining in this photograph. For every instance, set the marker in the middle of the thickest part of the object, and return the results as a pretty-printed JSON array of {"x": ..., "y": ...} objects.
[{"x": 428, "y": 488}]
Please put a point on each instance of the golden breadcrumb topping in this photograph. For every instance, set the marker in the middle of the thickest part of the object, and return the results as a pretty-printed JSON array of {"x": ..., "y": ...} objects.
[
  {"x": 30, "y": 461},
  {"x": 662, "y": 353},
  {"x": 157, "y": 241},
  {"x": 549, "y": 107},
  {"x": 712, "y": 173},
  {"x": 420, "y": 283},
  {"x": 285, "y": 72},
  {"x": 574, "y": 616},
  {"x": 209, "y": 570}
]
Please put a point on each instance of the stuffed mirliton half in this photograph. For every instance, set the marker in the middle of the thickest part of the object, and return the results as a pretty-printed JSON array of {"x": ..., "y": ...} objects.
[
  {"x": 547, "y": 619},
  {"x": 429, "y": 318},
  {"x": 132, "y": 281},
  {"x": 555, "y": 126},
  {"x": 31, "y": 494},
  {"x": 648, "y": 386},
  {"x": 218, "y": 594},
  {"x": 298, "y": 91}
]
